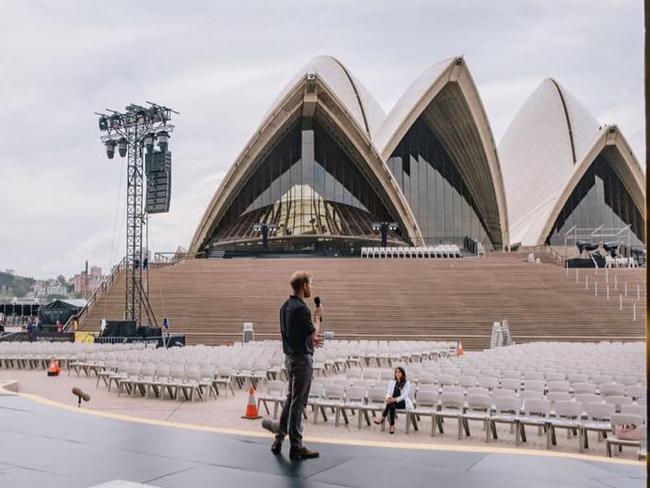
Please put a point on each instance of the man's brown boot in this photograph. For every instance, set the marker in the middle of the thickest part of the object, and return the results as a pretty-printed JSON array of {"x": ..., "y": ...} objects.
[
  {"x": 276, "y": 447},
  {"x": 303, "y": 453}
]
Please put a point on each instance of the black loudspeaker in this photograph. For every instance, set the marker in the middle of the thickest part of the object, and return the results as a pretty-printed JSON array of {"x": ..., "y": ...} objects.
[
  {"x": 158, "y": 169},
  {"x": 120, "y": 328},
  {"x": 147, "y": 332}
]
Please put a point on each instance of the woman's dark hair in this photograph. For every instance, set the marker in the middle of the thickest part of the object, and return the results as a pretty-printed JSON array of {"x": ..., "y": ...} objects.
[{"x": 403, "y": 380}]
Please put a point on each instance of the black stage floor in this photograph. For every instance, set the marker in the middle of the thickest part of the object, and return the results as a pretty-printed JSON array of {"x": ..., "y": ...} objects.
[{"x": 45, "y": 446}]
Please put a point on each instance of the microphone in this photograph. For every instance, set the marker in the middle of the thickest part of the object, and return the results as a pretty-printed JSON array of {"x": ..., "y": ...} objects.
[
  {"x": 80, "y": 395},
  {"x": 317, "y": 302}
]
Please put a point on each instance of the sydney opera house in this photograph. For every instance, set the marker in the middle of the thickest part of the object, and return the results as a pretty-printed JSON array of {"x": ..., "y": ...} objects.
[
  {"x": 327, "y": 165},
  {"x": 327, "y": 162}
]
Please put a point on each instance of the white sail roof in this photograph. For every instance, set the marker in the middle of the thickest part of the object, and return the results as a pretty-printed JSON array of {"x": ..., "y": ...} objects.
[
  {"x": 365, "y": 110},
  {"x": 408, "y": 102},
  {"x": 549, "y": 143},
  {"x": 539, "y": 152}
]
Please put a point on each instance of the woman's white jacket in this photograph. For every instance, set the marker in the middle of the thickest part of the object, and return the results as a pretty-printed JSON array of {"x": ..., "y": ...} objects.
[{"x": 405, "y": 391}]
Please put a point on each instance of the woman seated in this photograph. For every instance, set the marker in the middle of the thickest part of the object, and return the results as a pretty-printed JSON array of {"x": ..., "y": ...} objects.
[{"x": 397, "y": 397}]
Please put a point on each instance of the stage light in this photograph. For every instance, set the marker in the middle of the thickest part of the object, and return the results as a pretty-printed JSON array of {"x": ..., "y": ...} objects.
[
  {"x": 141, "y": 116},
  {"x": 384, "y": 227},
  {"x": 152, "y": 116},
  {"x": 115, "y": 121},
  {"x": 586, "y": 246},
  {"x": 266, "y": 230},
  {"x": 110, "y": 149},
  {"x": 611, "y": 248},
  {"x": 129, "y": 132},
  {"x": 121, "y": 147},
  {"x": 148, "y": 142},
  {"x": 163, "y": 140}
]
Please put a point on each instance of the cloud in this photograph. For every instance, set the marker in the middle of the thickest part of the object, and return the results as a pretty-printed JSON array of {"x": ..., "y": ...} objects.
[{"x": 221, "y": 64}]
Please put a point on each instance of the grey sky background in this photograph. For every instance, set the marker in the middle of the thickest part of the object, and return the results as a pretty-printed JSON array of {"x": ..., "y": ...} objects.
[{"x": 221, "y": 64}]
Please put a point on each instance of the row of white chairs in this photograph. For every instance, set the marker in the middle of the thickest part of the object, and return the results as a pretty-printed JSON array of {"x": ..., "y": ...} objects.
[
  {"x": 439, "y": 251},
  {"x": 580, "y": 415},
  {"x": 620, "y": 262},
  {"x": 335, "y": 357},
  {"x": 149, "y": 379},
  {"x": 512, "y": 377},
  {"x": 240, "y": 364},
  {"x": 252, "y": 357},
  {"x": 627, "y": 386},
  {"x": 592, "y": 359},
  {"x": 630, "y": 394},
  {"x": 31, "y": 355},
  {"x": 552, "y": 362}
]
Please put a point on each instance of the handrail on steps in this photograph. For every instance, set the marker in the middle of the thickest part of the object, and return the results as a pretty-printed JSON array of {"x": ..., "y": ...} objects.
[
  {"x": 101, "y": 289},
  {"x": 159, "y": 258}
]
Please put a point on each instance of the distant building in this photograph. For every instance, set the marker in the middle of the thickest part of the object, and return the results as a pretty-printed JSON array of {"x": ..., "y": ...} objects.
[
  {"x": 40, "y": 289},
  {"x": 11, "y": 272},
  {"x": 57, "y": 289},
  {"x": 85, "y": 284}
]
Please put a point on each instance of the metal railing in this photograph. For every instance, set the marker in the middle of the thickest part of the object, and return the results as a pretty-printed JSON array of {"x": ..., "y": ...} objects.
[
  {"x": 170, "y": 257},
  {"x": 159, "y": 258},
  {"x": 552, "y": 252},
  {"x": 599, "y": 234},
  {"x": 101, "y": 289},
  {"x": 556, "y": 255}
]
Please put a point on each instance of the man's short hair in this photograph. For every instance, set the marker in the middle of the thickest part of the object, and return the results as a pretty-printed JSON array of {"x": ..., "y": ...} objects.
[{"x": 298, "y": 279}]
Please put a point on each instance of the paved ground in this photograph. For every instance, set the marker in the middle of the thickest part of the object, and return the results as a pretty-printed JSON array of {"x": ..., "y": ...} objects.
[
  {"x": 43, "y": 445},
  {"x": 226, "y": 412}
]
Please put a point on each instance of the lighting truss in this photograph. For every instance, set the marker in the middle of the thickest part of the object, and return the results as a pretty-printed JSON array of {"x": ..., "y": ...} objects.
[{"x": 127, "y": 131}]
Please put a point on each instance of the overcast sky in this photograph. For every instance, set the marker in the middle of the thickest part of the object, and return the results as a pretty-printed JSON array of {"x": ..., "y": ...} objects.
[{"x": 221, "y": 64}]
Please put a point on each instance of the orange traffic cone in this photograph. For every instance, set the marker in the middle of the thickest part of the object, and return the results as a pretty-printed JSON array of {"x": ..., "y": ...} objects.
[
  {"x": 459, "y": 349},
  {"x": 54, "y": 368},
  {"x": 251, "y": 406}
]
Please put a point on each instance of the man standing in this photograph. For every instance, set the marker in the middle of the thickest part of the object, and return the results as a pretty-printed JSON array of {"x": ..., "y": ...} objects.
[{"x": 299, "y": 330}]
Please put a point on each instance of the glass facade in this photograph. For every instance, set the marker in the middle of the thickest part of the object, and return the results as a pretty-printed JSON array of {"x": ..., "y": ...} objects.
[
  {"x": 439, "y": 197},
  {"x": 599, "y": 199},
  {"x": 308, "y": 188}
]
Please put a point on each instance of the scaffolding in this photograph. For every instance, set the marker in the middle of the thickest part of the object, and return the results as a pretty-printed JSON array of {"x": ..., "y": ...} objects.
[{"x": 622, "y": 236}]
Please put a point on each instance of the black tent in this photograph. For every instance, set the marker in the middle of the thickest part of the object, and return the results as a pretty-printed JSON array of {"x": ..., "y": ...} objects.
[
  {"x": 21, "y": 309},
  {"x": 59, "y": 310}
]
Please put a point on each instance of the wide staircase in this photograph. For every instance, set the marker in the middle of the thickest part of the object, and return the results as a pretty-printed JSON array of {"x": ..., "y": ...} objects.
[{"x": 208, "y": 300}]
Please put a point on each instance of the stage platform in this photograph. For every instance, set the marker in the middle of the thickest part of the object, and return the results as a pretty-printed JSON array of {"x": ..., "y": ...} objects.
[{"x": 43, "y": 445}]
